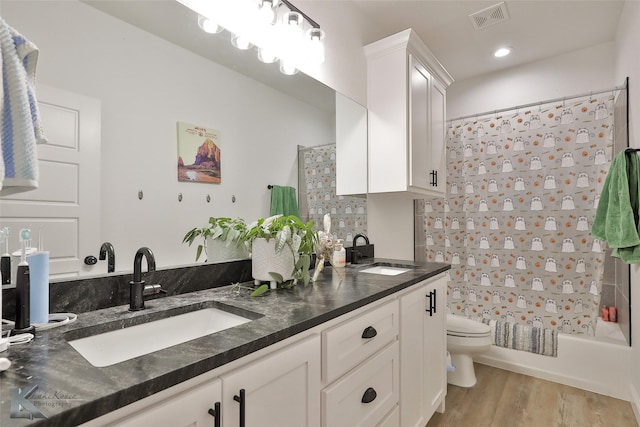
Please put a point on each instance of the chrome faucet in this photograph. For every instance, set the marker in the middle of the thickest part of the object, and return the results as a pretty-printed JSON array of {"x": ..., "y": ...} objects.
[
  {"x": 107, "y": 249},
  {"x": 138, "y": 290},
  {"x": 355, "y": 254}
]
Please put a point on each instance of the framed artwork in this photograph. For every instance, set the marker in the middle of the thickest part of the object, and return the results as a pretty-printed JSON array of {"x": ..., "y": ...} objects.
[{"x": 198, "y": 154}]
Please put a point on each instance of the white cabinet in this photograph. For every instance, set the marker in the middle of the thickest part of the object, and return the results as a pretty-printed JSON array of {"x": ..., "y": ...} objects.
[
  {"x": 380, "y": 366},
  {"x": 361, "y": 369},
  {"x": 364, "y": 397},
  {"x": 351, "y": 147},
  {"x": 197, "y": 407},
  {"x": 423, "y": 379},
  {"x": 406, "y": 111},
  {"x": 278, "y": 390},
  {"x": 281, "y": 389}
]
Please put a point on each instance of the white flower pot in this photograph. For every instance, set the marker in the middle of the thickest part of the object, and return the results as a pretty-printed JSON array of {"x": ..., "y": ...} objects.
[
  {"x": 219, "y": 251},
  {"x": 265, "y": 260}
]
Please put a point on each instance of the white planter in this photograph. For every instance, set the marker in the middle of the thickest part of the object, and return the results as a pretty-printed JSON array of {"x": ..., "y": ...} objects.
[
  {"x": 265, "y": 260},
  {"x": 218, "y": 251}
]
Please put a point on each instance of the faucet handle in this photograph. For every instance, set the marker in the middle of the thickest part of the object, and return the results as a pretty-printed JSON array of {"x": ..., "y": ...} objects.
[{"x": 153, "y": 290}]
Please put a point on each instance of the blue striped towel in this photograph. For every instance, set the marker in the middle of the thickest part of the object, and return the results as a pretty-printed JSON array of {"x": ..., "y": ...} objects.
[
  {"x": 515, "y": 336},
  {"x": 21, "y": 125}
]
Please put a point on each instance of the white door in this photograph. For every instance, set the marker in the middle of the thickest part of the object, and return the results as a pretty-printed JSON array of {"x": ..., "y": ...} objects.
[{"x": 65, "y": 209}]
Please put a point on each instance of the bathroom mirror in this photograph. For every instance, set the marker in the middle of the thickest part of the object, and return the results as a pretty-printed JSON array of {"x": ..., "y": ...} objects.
[{"x": 131, "y": 57}]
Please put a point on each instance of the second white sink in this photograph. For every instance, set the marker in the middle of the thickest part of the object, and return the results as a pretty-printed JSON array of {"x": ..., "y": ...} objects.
[
  {"x": 385, "y": 270},
  {"x": 113, "y": 347}
]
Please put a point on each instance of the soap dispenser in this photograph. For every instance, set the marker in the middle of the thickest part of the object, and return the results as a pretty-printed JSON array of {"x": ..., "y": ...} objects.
[{"x": 339, "y": 254}]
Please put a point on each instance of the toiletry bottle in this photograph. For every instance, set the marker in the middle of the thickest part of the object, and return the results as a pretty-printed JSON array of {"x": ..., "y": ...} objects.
[
  {"x": 39, "y": 284},
  {"x": 5, "y": 261},
  {"x": 339, "y": 254}
]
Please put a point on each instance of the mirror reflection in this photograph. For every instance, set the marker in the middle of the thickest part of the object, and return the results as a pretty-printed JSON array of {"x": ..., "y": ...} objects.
[{"x": 113, "y": 80}]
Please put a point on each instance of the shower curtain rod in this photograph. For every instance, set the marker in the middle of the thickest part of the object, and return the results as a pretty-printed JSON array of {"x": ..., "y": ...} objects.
[{"x": 533, "y": 104}]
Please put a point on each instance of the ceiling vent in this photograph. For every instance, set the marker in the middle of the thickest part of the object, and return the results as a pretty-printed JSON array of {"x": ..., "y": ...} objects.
[{"x": 489, "y": 16}]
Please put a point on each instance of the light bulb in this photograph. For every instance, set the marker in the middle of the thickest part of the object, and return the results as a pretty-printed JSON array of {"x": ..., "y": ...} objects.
[
  {"x": 266, "y": 56},
  {"x": 240, "y": 42},
  {"x": 266, "y": 11},
  {"x": 315, "y": 50},
  {"x": 208, "y": 26},
  {"x": 287, "y": 68},
  {"x": 503, "y": 51}
]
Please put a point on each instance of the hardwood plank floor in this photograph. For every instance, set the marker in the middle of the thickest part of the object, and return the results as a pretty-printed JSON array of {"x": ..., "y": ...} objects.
[{"x": 507, "y": 399}]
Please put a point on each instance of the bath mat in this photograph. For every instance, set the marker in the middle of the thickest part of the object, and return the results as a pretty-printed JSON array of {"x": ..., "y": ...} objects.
[{"x": 524, "y": 337}]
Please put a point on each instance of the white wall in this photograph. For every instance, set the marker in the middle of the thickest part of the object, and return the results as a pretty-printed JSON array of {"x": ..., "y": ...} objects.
[
  {"x": 628, "y": 65},
  {"x": 574, "y": 73},
  {"x": 146, "y": 85},
  {"x": 345, "y": 66}
]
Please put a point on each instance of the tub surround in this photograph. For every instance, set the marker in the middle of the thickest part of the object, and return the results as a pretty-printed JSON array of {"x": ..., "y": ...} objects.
[{"x": 72, "y": 391}]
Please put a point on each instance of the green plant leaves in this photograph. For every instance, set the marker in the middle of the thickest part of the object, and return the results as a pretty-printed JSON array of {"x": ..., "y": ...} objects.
[{"x": 260, "y": 290}]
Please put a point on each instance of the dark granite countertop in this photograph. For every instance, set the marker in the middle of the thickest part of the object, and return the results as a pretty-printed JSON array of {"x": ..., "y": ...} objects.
[{"x": 71, "y": 391}]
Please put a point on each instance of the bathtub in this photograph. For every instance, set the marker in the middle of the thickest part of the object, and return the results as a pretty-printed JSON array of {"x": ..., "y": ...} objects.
[{"x": 599, "y": 364}]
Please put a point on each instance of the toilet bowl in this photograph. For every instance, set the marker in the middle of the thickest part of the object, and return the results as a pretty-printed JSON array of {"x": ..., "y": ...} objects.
[{"x": 465, "y": 338}]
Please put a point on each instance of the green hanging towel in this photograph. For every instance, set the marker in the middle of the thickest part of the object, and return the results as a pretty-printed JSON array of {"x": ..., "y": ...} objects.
[
  {"x": 616, "y": 221},
  {"x": 284, "y": 201}
]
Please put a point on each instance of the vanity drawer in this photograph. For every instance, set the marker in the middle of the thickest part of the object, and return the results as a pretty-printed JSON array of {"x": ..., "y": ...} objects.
[
  {"x": 364, "y": 397},
  {"x": 351, "y": 342},
  {"x": 392, "y": 419}
]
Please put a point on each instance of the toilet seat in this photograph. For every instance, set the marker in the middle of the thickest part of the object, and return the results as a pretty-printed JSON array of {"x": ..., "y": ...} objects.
[{"x": 458, "y": 326}]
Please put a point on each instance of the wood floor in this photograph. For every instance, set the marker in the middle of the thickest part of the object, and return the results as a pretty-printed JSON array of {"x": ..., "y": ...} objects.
[{"x": 506, "y": 399}]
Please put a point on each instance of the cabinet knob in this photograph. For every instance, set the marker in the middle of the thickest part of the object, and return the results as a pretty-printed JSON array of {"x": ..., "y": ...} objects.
[
  {"x": 215, "y": 413},
  {"x": 369, "y": 395},
  {"x": 369, "y": 332}
]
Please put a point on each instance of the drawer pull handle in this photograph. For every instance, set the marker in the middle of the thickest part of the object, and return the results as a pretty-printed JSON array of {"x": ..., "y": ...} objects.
[
  {"x": 369, "y": 332},
  {"x": 241, "y": 400},
  {"x": 215, "y": 413},
  {"x": 369, "y": 395}
]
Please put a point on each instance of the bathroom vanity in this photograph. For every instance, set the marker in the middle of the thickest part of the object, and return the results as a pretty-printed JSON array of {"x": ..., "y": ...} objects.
[{"x": 367, "y": 350}]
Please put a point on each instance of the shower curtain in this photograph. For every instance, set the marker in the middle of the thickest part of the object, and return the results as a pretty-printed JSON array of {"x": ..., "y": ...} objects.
[
  {"x": 317, "y": 190},
  {"x": 522, "y": 191}
]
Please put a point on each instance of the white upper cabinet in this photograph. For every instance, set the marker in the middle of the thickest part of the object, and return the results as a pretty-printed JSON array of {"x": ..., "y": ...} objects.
[{"x": 406, "y": 113}]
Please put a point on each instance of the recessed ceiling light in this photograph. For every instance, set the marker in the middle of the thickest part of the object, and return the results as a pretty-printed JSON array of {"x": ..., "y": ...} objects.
[{"x": 503, "y": 51}]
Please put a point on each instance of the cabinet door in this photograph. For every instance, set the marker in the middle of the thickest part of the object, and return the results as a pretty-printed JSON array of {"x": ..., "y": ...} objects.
[
  {"x": 412, "y": 358},
  {"x": 435, "y": 346},
  {"x": 437, "y": 169},
  {"x": 419, "y": 133},
  {"x": 186, "y": 409},
  {"x": 422, "y": 352},
  {"x": 280, "y": 390}
]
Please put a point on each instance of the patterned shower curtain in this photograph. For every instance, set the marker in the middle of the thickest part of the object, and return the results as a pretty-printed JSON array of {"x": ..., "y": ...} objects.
[
  {"x": 317, "y": 188},
  {"x": 522, "y": 192}
]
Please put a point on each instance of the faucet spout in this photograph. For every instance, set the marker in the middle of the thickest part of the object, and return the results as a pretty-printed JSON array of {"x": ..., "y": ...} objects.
[
  {"x": 137, "y": 288},
  {"x": 137, "y": 263},
  {"x": 107, "y": 252},
  {"x": 355, "y": 254}
]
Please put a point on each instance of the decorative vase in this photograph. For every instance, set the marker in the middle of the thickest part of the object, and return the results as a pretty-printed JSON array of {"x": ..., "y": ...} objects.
[
  {"x": 265, "y": 260},
  {"x": 219, "y": 251}
]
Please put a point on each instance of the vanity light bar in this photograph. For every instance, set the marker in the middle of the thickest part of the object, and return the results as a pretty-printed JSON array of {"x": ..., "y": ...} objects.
[{"x": 282, "y": 38}]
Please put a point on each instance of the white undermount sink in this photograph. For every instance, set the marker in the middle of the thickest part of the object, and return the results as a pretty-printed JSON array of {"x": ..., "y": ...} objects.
[
  {"x": 385, "y": 270},
  {"x": 116, "y": 346}
]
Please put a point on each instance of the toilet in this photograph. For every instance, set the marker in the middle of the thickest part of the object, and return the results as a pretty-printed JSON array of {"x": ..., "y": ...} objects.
[{"x": 465, "y": 338}]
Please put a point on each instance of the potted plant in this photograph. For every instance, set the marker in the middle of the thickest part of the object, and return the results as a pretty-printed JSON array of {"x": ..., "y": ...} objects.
[
  {"x": 221, "y": 239},
  {"x": 281, "y": 250}
]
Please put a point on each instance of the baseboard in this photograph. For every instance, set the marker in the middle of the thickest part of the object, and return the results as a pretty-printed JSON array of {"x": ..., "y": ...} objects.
[{"x": 635, "y": 402}]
